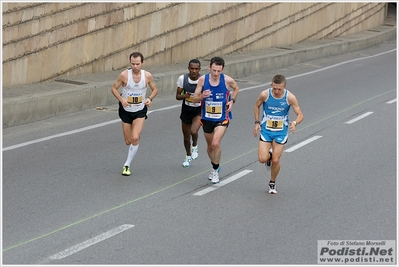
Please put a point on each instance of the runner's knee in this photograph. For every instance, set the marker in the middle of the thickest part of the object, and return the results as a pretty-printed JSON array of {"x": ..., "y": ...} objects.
[
  {"x": 194, "y": 131},
  {"x": 215, "y": 145},
  {"x": 135, "y": 139},
  {"x": 128, "y": 141},
  {"x": 275, "y": 160},
  {"x": 262, "y": 159}
]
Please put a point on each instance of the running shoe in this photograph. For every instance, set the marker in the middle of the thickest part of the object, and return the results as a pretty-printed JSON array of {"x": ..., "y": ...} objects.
[
  {"x": 269, "y": 162},
  {"x": 272, "y": 188},
  {"x": 126, "y": 171},
  {"x": 211, "y": 174},
  {"x": 194, "y": 152},
  {"x": 215, "y": 177},
  {"x": 186, "y": 162}
]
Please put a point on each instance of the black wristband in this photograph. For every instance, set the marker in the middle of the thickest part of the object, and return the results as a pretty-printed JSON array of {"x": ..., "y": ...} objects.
[{"x": 257, "y": 122}]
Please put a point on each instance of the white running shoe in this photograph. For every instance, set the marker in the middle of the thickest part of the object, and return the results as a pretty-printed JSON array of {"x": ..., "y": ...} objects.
[
  {"x": 272, "y": 188},
  {"x": 215, "y": 177},
  {"x": 211, "y": 174},
  {"x": 194, "y": 152},
  {"x": 186, "y": 162}
]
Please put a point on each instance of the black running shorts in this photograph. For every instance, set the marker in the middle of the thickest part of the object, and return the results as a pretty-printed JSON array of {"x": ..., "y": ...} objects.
[
  {"x": 209, "y": 126},
  {"x": 129, "y": 117},
  {"x": 188, "y": 116}
]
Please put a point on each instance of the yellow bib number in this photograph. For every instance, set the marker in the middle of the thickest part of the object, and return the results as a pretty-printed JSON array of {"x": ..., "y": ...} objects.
[
  {"x": 134, "y": 99},
  {"x": 214, "y": 109},
  {"x": 274, "y": 125},
  {"x": 190, "y": 99}
]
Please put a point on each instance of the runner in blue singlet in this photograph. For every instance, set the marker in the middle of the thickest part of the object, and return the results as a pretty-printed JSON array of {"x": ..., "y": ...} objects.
[
  {"x": 274, "y": 126},
  {"x": 216, "y": 104}
]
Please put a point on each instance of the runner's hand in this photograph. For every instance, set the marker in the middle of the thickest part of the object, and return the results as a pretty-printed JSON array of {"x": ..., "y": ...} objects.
[{"x": 256, "y": 129}]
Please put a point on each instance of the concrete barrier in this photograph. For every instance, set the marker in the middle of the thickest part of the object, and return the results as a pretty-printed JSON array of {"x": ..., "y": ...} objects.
[{"x": 50, "y": 99}]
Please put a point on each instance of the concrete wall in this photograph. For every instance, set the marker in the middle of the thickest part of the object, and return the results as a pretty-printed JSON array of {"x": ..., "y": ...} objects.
[{"x": 45, "y": 40}]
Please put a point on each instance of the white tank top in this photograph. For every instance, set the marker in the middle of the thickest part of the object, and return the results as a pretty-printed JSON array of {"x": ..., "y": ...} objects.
[{"x": 135, "y": 93}]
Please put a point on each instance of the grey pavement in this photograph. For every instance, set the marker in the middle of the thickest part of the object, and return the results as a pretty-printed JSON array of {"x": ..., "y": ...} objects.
[{"x": 29, "y": 103}]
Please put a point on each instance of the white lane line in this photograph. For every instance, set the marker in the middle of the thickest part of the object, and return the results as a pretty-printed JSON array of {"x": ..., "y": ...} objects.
[
  {"x": 90, "y": 242},
  {"x": 179, "y": 105},
  {"x": 359, "y": 117},
  {"x": 391, "y": 101},
  {"x": 342, "y": 63},
  {"x": 314, "y": 138},
  {"x": 60, "y": 135},
  {"x": 222, "y": 183},
  {"x": 79, "y": 130},
  {"x": 321, "y": 69}
]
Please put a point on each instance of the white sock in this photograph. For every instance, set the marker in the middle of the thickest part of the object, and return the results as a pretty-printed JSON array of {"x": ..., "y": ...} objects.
[{"x": 132, "y": 152}]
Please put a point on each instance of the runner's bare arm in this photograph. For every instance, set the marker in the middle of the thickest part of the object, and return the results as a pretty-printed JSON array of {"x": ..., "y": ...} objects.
[
  {"x": 120, "y": 81},
  {"x": 198, "y": 91},
  {"x": 261, "y": 98},
  {"x": 299, "y": 115},
  {"x": 153, "y": 87}
]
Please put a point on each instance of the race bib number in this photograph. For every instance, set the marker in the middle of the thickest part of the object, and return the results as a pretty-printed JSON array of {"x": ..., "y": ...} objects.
[
  {"x": 189, "y": 101},
  {"x": 213, "y": 110},
  {"x": 135, "y": 99},
  {"x": 274, "y": 125}
]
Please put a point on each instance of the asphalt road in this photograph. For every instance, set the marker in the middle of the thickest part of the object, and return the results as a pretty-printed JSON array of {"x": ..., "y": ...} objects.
[{"x": 65, "y": 201}]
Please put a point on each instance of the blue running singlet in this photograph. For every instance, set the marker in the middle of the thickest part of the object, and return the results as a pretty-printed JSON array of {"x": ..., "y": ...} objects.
[
  {"x": 214, "y": 106},
  {"x": 274, "y": 123}
]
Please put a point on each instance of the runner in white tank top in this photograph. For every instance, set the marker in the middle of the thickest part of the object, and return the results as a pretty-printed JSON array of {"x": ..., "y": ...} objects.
[
  {"x": 134, "y": 92},
  {"x": 133, "y": 103}
]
